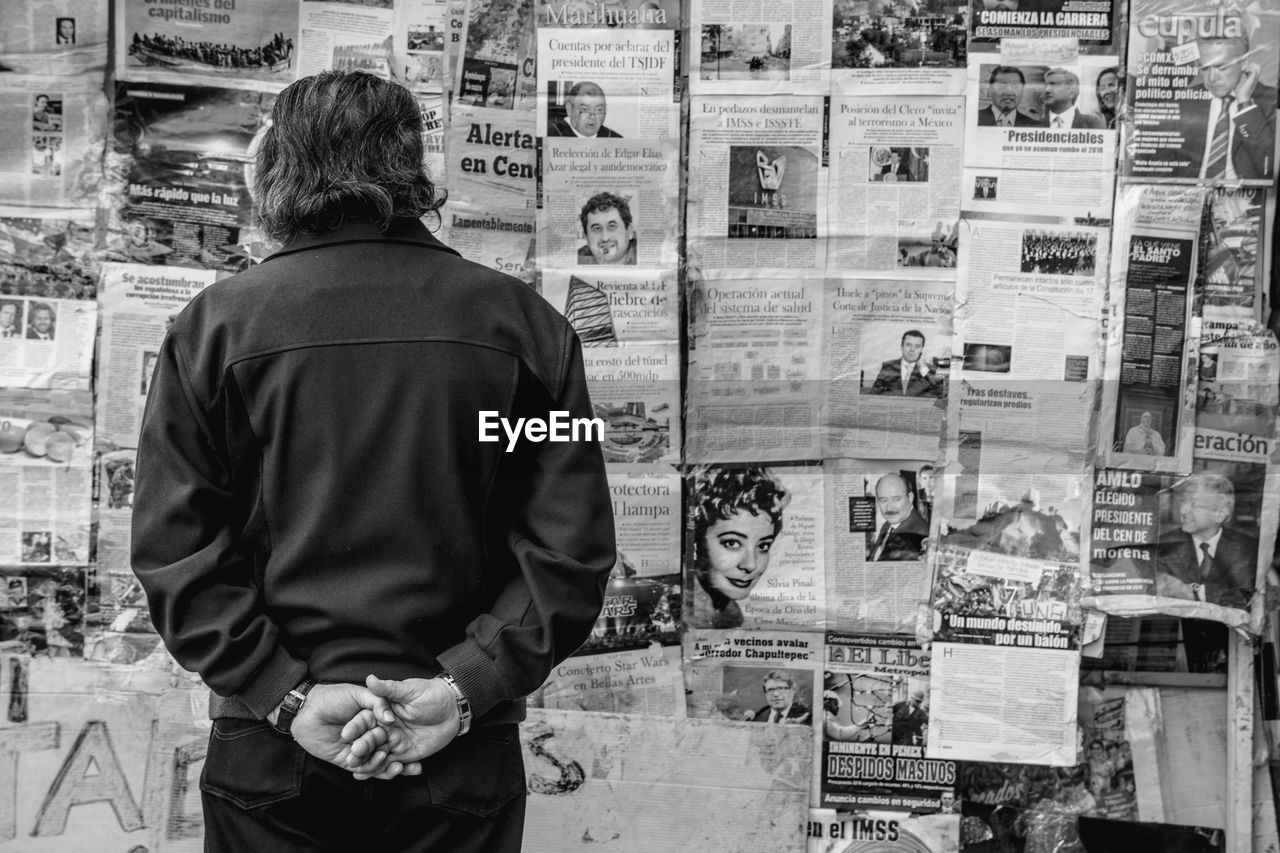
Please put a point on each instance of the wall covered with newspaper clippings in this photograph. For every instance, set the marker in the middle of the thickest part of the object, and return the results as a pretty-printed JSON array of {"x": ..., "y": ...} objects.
[{"x": 967, "y": 307}]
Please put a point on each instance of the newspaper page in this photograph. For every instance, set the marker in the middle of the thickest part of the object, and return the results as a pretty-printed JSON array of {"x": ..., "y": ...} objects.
[
  {"x": 832, "y": 831},
  {"x": 347, "y": 37},
  {"x": 889, "y": 47},
  {"x": 876, "y": 702},
  {"x": 1146, "y": 420},
  {"x": 887, "y": 351},
  {"x": 616, "y": 306},
  {"x": 180, "y": 175},
  {"x": 1238, "y": 391},
  {"x": 630, "y": 663},
  {"x": 46, "y": 453},
  {"x": 755, "y": 368},
  {"x": 51, "y": 151},
  {"x": 635, "y": 389},
  {"x": 1094, "y": 23},
  {"x": 895, "y": 185},
  {"x": 58, "y": 39},
  {"x": 491, "y": 158},
  {"x": 138, "y": 304},
  {"x": 589, "y": 77},
  {"x": 1019, "y": 192},
  {"x": 757, "y": 182},
  {"x": 1202, "y": 92},
  {"x": 877, "y": 575},
  {"x": 496, "y": 66},
  {"x": 250, "y": 47},
  {"x": 420, "y": 29},
  {"x": 1014, "y": 614},
  {"x": 47, "y": 253},
  {"x": 1200, "y": 544},
  {"x": 755, "y": 548},
  {"x": 1235, "y": 243},
  {"x": 42, "y": 615},
  {"x": 46, "y": 343},
  {"x": 1035, "y": 106},
  {"x": 739, "y": 46}
]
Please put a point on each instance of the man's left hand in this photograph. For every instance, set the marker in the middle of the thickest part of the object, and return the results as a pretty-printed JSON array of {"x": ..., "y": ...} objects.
[{"x": 318, "y": 730}]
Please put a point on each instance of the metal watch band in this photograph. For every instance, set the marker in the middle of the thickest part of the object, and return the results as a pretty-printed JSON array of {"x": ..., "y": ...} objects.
[
  {"x": 291, "y": 705},
  {"x": 464, "y": 705}
]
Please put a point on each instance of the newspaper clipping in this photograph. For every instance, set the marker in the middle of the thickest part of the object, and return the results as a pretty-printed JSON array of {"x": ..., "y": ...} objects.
[
  {"x": 755, "y": 548},
  {"x": 46, "y": 453},
  {"x": 138, "y": 304},
  {"x": 1091, "y": 22},
  {"x": 875, "y": 702},
  {"x": 496, "y": 64},
  {"x": 182, "y": 170},
  {"x": 628, "y": 14},
  {"x": 52, "y": 134},
  {"x": 500, "y": 238},
  {"x": 1235, "y": 242},
  {"x": 46, "y": 343},
  {"x": 46, "y": 253},
  {"x": 888, "y": 352},
  {"x": 896, "y": 47},
  {"x": 250, "y": 47},
  {"x": 635, "y": 389},
  {"x": 423, "y": 26},
  {"x": 895, "y": 185},
  {"x": 1202, "y": 79},
  {"x": 1038, "y": 108},
  {"x": 62, "y": 39},
  {"x": 877, "y": 532},
  {"x": 1017, "y": 616},
  {"x": 491, "y": 158},
  {"x": 1146, "y": 419},
  {"x": 754, "y": 369},
  {"x": 757, "y": 182}
]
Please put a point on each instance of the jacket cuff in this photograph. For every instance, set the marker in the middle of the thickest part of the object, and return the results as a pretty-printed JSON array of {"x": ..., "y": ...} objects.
[
  {"x": 476, "y": 674},
  {"x": 271, "y": 683}
]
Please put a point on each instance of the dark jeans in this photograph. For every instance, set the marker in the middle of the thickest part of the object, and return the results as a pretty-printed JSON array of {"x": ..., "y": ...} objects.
[{"x": 263, "y": 793}]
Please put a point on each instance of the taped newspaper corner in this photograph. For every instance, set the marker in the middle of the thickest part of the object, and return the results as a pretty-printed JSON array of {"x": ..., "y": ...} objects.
[
  {"x": 875, "y": 722},
  {"x": 883, "y": 49},
  {"x": 57, "y": 132},
  {"x": 737, "y": 46},
  {"x": 878, "y": 578},
  {"x": 138, "y": 305},
  {"x": 1039, "y": 109},
  {"x": 180, "y": 185},
  {"x": 1147, "y": 417},
  {"x": 755, "y": 548},
  {"x": 1186, "y": 58},
  {"x": 832, "y": 831},
  {"x": 604, "y": 778},
  {"x": 758, "y": 182},
  {"x": 895, "y": 180},
  {"x": 755, "y": 369},
  {"x": 251, "y": 47}
]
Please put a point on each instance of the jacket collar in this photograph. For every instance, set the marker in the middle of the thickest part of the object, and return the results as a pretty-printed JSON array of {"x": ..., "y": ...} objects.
[{"x": 408, "y": 231}]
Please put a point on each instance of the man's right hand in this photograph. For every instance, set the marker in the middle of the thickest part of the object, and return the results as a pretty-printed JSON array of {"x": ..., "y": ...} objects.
[{"x": 418, "y": 719}]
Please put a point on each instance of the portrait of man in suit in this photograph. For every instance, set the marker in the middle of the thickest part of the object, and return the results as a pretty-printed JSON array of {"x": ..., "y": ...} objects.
[
  {"x": 1237, "y": 118},
  {"x": 1061, "y": 92},
  {"x": 1005, "y": 85},
  {"x": 584, "y": 112},
  {"x": 780, "y": 694},
  {"x": 903, "y": 531},
  {"x": 908, "y": 376},
  {"x": 1204, "y": 560}
]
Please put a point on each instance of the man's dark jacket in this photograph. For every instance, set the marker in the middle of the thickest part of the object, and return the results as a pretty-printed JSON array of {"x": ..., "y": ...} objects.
[
  {"x": 1234, "y": 568},
  {"x": 312, "y": 495}
]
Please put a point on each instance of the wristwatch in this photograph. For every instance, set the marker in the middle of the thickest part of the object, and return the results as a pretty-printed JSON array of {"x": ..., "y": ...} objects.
[
  {"x": 464, "y": 706},
  {"x": 291, "y": 705}
]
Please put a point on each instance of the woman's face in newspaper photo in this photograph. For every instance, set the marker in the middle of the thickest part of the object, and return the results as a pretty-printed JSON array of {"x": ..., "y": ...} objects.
[
  {"x": 1109, "y": 91},
  {"x": 736, "y": 552}
]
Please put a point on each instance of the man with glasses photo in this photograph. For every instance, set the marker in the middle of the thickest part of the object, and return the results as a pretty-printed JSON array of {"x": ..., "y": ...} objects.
[
  {"x": 780, "y": 693},
  {"x": 584, "y": 112}
]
